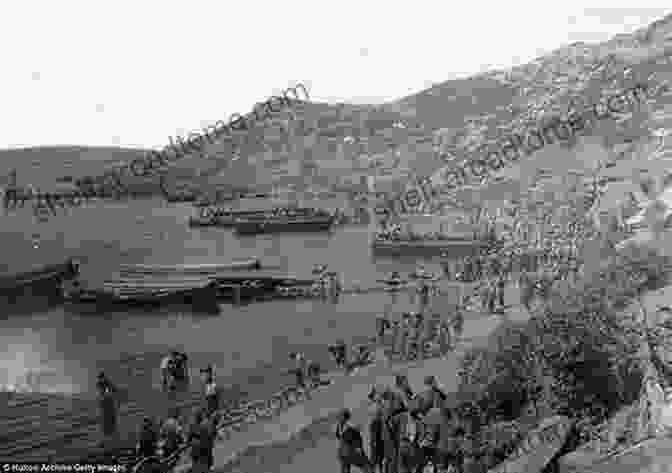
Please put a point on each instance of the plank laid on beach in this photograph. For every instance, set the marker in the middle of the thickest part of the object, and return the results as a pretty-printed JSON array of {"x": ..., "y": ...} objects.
[
  {"x": 207, "y": 268},
  {"x": 158, "y": 283}
]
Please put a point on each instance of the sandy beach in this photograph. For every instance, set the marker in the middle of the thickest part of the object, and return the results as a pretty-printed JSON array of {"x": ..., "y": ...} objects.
[{"x": 301, "y": 438}]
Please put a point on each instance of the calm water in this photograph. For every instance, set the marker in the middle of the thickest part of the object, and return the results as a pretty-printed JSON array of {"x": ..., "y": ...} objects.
[{"x": 66, "y": 349}]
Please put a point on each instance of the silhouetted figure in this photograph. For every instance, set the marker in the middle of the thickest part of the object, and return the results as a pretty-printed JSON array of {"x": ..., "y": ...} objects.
[
  {"x": 501, "y": 285},
  {"x": 148, "y": 439},
  {"x": 171, "y": 433},
  {"x": 108, "y": 409},
  {"x": 202, "y": 437},
  {"x": 351, "y": 446},
  {"x": 376, "y": 439},
  {"x": 211, "y": 392}
]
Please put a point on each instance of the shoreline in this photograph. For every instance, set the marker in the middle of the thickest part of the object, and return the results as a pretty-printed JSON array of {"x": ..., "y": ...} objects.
[
  {"x": 65, "y": 428},
  {"x": 267, "y": 446}
]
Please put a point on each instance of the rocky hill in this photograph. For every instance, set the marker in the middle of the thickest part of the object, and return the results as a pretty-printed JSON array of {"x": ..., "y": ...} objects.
[{"x": 325, "y": 145}]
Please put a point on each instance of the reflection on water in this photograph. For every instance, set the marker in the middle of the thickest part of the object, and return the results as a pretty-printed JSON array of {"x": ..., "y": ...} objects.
[
  {"x": 57, "y": 350},
  {"x": 26, "y": 365}
]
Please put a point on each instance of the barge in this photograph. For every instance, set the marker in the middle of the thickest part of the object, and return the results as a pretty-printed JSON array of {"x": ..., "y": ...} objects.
[
  {"x": 460, "y": 244},
  {"x": 215, "y": 217},
  {"x": 188, "y": 269},
  {"x": 200, "y": 295},
  {"x": 199, "y": 287},
  {"x": 223, "y": 217},
  {"x": 316, "y": 221}
]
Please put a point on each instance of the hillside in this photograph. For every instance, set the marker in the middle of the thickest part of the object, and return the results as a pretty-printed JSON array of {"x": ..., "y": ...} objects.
[{"x": 326, "y": 144}]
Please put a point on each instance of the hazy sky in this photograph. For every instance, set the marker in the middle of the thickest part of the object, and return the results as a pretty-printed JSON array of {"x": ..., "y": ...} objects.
[{"x": 131, "y": 73}]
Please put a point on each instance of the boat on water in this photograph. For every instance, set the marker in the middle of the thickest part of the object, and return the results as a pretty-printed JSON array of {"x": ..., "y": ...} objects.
[
  {"x": 290, "y": 221},
  {"x": 199, "y": 290},
  {"x": 223, "y": 217},
  {"x": 198, "y": 294},
  {"x": 187, "y": 269},
  {"x": 439, "y": 247},
  {"x": 266, "y": 281},
  {"x": 35, "y": 290},
  {"x": 48, "y": 274},
  {"x": 216, "y": 217}
]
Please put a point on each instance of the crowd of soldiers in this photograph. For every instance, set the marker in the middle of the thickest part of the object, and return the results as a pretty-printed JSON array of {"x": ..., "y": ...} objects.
[
  {"x": 164, "y": 439},
  {"x": 416, "y": 334},
  {"x": 407, "y": 431}
]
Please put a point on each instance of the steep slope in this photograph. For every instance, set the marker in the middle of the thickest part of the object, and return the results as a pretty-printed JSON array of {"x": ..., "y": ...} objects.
[
  {"x": 547, "y": 86},
  {"x": 322, "y": 145}
]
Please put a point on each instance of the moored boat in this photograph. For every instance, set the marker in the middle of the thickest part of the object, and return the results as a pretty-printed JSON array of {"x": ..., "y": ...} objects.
[
  {"x": 217, "y": 217},
  {"x": 437, "y": 247},
  {"x": 36, "y": 290},
  {"x": 46, "y": 274},
  {"x": 316, "y": 222},
  {"x": 189, "y": 269},
  {"x": 199, "y": 294}
]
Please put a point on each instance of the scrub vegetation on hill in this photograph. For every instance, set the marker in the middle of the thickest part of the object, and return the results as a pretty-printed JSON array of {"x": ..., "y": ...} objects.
[{"x": 580, "y": 356}]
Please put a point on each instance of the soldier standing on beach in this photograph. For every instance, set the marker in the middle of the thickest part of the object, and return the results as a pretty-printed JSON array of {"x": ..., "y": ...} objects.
[
  {"x": 167, "y": 368},
  {"x": 382, "y": 325},
  {"x": 108, "y": 410},
  {"x": 171, "y": 432},
  {"x": 492, "y": 289},
  {"x": 426, "y": 330},
  {"x": 412, "y": 335},
  {"x": 300, "y": 369},
  {"x": 210, "y": 389},
  {"x": 407, "y": 329},
  {"x": 202, "y": 441},
  {"x": 403, "y": 387},
  {"x": 396, "y": 337},
  {"x": 501, "y": 285},
  {"x": 147, "y": 439},
  {"x": 351, "y": 446},
  {"x": 377, "y": 439},
  {"x": 444, "y": 330}
]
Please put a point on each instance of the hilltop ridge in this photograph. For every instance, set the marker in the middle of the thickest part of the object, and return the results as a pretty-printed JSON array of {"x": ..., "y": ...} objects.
[{"x": 325, "y": 145}]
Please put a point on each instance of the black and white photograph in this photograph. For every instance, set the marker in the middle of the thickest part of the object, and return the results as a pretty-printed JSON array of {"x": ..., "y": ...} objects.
[{"x": 335, "y": 237}]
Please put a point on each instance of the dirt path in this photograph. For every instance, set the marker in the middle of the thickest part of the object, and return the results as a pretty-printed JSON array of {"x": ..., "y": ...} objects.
[{"x": 300, "y": 439}]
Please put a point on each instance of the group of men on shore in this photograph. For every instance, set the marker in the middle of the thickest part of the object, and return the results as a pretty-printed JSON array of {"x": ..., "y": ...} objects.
[
  {"x": 163, "y": 439},
  {"x": 416, "y": 334},
  {"x": 407, "y": 431}
]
